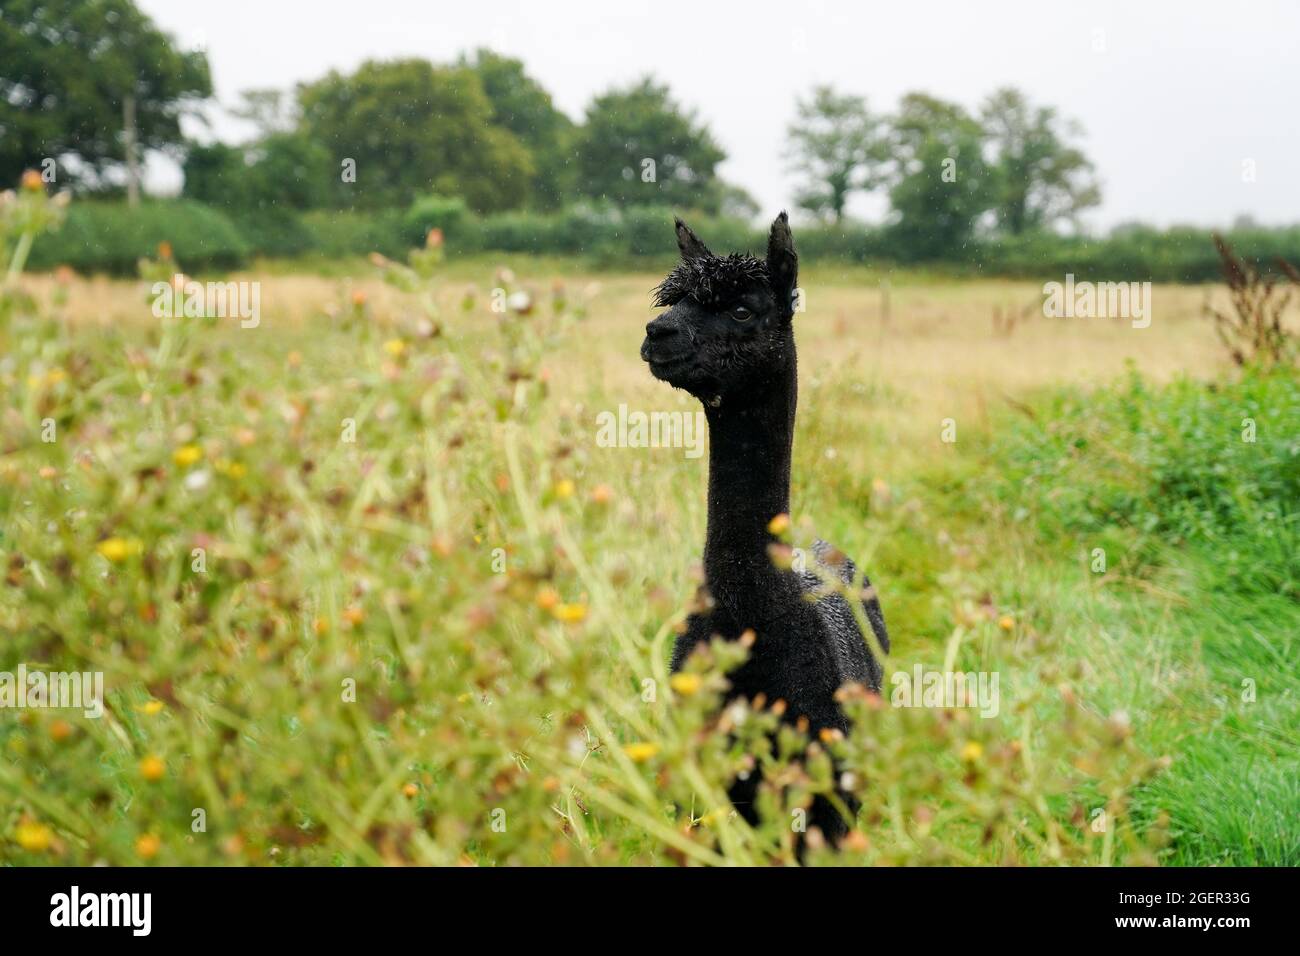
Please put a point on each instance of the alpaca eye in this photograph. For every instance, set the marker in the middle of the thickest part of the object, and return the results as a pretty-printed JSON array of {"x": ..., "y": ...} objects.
[{"x": 741, "y": 314}]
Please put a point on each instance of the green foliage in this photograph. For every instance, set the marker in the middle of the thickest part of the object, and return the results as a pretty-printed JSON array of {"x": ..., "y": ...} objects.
[
  {"x": 66, "y": 67},
  {"x": 282, "y": 171},
  {"x": 940, "y": 183},
  {"x": 1182, "y": 464},
  {"x": 521, "y": 105},
  {"x": 836, "y": 144},
  {"x": 626, "y": 127},
  {"x": 434, "y": 212},
  {"x": 411, "y": 128},
  {"x": 1193, "y": 623},
  {"x": 112, "y": 237},
  {"x": 1040, "y": 180},
  {"x": 341, "y": 233}
]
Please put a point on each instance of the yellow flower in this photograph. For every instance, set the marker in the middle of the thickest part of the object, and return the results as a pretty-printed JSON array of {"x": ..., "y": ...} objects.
[
  {"x": 34, "y": 837},
  {"x": 569, "y": 613},
  {"x": 564, "y": 488},
  {"x": 32, "y": 181},
  {"x": 547, "y": 598},
  {"x": 151, "y": 707},
  {"x": 187, "y": 455},
  {"x": 147, "y": 846},
  {"x": 685, "y": 684},
  {"x": 152, "y": 768},
  {"x": 972, "y": 751},
  {"x": 395, "y": 347},
  {"x": 118, "y": 549},
  {"x": 779, "y": 525},
  {"x": 1006, "y": 622},
  {"x": 640, "y": 752}
]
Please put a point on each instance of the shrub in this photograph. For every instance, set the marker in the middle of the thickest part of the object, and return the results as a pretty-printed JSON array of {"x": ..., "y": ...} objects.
[
  {"x": 434, "y": 212},
  {"x": 112, "y": 237},
  {"x": 343, "y": 233}
]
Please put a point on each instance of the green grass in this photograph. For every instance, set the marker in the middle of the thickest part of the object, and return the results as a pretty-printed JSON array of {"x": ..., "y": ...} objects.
[{"x": 1193, "y": 629}]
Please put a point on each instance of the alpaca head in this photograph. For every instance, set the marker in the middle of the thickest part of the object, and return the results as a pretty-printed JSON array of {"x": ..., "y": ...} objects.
[{"x": 727, "y": 329}]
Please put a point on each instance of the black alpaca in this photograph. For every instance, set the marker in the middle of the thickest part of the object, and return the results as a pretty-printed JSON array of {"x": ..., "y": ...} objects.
[{"x": 727, "y": 338}]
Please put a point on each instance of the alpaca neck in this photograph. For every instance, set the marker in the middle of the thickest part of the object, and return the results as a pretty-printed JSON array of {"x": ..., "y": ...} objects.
[{"x": 749, "y": 484}]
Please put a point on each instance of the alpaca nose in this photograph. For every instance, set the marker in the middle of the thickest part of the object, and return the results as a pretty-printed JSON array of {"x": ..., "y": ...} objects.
[{"x": 659, "y": 330}]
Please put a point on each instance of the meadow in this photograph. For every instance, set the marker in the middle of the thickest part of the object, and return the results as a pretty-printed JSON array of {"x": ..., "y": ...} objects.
[{"x": 365, "y": 590}]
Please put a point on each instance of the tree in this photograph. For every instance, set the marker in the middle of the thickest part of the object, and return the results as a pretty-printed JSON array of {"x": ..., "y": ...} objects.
[
  {"x": 638, "y": 147},
  {"x": 411, "y": 128},
  {"x": 1041, "y": 179},
  {"x": 940, "y": 183},
  {"x": 70, "y": 70},
  {"x": 835, "y": 143},
  {"x": 521, "y": 105}
]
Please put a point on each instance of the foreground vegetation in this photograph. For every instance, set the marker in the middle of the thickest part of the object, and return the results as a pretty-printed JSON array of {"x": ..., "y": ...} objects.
[{"x": 365, "y": 589}]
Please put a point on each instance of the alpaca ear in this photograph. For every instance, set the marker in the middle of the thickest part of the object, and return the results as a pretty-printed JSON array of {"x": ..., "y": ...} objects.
[
  {"x": 689, "y": 243},
  {"x": 782, "y": 263}
]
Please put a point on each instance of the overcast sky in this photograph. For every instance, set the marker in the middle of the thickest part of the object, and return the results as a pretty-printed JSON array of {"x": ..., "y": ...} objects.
[{"x": 1176, "y": 98}]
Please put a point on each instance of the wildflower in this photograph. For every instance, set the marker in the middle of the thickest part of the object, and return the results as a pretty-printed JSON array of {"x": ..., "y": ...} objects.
[
  {"x": 547, "y": 598},
  {"x": 151, "y": 708},
  {"x": 147, "y": 846},
  {"x": 60, "y": 730},
  {"x": 410, "y": 790},
  {"x": 640, "y": 752},
  {"x": 520, "y": 302},
  {"x": 354, "y": 615},
  {"x": 395, "y": 347},
  {"x": 359, "y": 298},
  {"x": 47, "y": 472},
  {"x": 164, "y": 250},
  {"x": 1006, "y": 622},
  {"x": 685, "y": 684},
  {"x": 602, "y": 494},
  {"x": 187, "y": 455},
  {"x": 434, "y": 239},
  {"x": 32, "y": 181},
  {"x": 118, "y": 549},
  {"x": 152, "y": 768},
  {"x": 972, "y": 751},
  {"x": 779, "y": 525},
  {"x": 569, "y": 613},
  {"x": 564, "y": 488},
  {"x": 34, "y": 837},
  {"x": 198, "y": 480}
]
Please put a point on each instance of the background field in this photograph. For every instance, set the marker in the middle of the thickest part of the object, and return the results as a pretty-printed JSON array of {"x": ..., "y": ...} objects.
[{"x": 513, "y": 705}]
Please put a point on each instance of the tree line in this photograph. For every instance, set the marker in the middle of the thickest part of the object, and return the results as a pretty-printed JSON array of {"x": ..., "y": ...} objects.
[{"x": 80, "y": 80}]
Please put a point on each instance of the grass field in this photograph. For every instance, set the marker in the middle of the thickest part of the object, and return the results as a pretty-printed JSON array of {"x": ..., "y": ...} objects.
[{"x": 364, "y": 588}]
